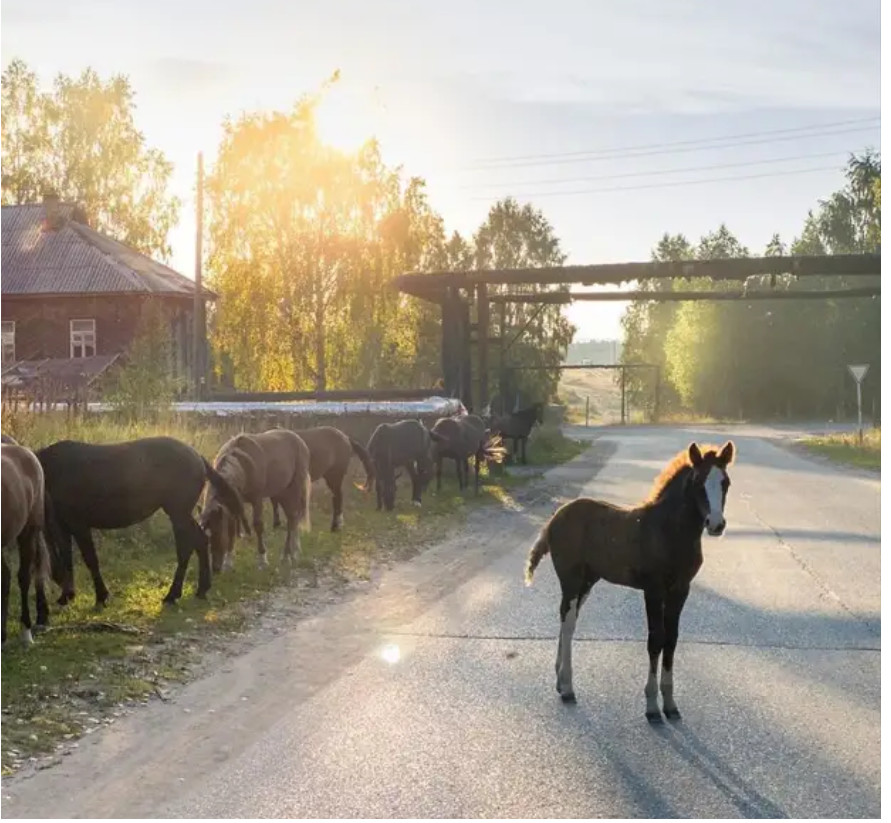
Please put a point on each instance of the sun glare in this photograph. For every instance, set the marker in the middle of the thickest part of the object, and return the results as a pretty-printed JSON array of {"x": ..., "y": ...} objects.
[
  {"x": 390, "y": 653},
  {"x": 346, "y": 117}
]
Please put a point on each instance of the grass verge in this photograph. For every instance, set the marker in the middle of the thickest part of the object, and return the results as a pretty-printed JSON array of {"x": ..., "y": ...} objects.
[
  {"x": 90, "y": 667},
  {"x": 846, "y": 449}
]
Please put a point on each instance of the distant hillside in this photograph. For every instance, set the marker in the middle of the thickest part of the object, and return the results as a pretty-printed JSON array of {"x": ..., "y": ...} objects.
[{"x": 596, "y": 352}]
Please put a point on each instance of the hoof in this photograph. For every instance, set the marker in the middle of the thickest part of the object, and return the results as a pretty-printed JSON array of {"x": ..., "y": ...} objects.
[
  {"x": 654, "y": 718},
  {"x": 262, "y": 563},
  {"x": 416, "y": 503},
  {"x": 569, "y": 697},
  {"x": 27, "y": 639},
  {"x": 201, "y": 595},
  {"x": 170, "y": 600},
  {"x": 40, "y": 628},
  {"x": 672, "y": 714}
]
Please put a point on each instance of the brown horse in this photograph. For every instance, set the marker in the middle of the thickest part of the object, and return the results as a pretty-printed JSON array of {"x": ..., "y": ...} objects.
[
  {"x": 407, "y": 444},
  {"x": 656, "y": 547},
  {"x": 271, "y": 464},
  {"x": 330, "y": 451},
  {"x": 462, "y": 438},
  {"x": 117, "y": 485},
  {"x": 24, "y": 522}
]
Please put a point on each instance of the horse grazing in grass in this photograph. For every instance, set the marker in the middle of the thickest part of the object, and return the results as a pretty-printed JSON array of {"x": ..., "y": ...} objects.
[
  {"x": 517, "y": 427},
  {"x": 274, "y": 464},
  {"x": 118, "y": 485},
  {"x": 24, "y": 513},
  {"x": 407, "y": 444},
  {"x": 463, "y": 438},
  {"x": 655, "y": 546},
  {"x": 330, "y": 451}
]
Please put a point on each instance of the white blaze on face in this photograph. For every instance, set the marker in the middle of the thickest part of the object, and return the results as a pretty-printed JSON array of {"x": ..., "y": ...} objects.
[{"x": 714, "y": 493}]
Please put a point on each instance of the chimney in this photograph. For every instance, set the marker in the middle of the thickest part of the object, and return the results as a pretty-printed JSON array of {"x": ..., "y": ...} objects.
[{"x": 54, "y": 218}]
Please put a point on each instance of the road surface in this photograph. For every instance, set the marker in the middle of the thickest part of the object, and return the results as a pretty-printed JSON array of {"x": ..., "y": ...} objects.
[{"x": 432, "y": 693}]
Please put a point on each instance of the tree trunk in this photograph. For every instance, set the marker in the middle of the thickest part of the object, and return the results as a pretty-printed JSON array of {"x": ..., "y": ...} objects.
[{"x": 321, "y": 377}]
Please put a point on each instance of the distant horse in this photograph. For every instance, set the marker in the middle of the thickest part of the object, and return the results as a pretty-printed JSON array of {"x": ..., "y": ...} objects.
[
  {"x": 407, "y": 444},
  {"x": 115, "y": 486},
  {"x": 517, "y": 426},
  {"x": 23, "y": 522},
  {"x": 655, "y": 546},
  {"x": 465, "y": 437},
  {"x": 274, "y": 464},
  {"x": 330, "y": 451}
]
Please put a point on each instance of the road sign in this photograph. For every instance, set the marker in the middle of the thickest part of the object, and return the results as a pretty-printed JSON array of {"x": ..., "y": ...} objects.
[{"x": 858, "y": 372}]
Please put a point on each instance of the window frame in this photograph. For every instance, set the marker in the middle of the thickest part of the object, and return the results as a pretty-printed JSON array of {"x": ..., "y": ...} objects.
[{"x": 81, "y": 338}]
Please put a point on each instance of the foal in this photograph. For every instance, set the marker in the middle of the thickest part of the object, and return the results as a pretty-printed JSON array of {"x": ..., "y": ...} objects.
[{"x": 656, "y": 547}]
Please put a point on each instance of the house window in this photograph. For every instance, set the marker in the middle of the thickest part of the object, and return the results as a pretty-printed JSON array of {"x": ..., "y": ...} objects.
[
  {"x": 9, "y": 341},
  {"x": 83, "y": 338}
]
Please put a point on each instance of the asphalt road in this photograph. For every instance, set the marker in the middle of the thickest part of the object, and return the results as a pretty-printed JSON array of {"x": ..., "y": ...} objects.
[{"x": 450, "y": 710}]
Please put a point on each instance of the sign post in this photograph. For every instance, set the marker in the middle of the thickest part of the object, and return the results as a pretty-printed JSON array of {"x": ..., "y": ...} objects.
[{"x": 858, "y": 372}]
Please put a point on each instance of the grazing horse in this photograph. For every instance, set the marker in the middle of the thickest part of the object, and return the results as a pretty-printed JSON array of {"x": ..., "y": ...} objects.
[
  {"x": 655, "y": 546},
  {"x": 330, "y": 451},
  {"x": 407, "y": 444},
  {"x": 465, "y": 437},
  {"x": 118, "y": 485},
  {"x": 273, "y": 464},
  {"x": 24, "y": 522},
  {"x": 517, "y": 426}
]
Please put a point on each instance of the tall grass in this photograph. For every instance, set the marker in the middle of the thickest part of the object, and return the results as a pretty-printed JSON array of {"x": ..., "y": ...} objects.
[{"x": 845, "y": 447}]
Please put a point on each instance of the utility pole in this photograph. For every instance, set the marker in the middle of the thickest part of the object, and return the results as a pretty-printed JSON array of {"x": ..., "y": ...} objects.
[{"x": 198, "y": 319}]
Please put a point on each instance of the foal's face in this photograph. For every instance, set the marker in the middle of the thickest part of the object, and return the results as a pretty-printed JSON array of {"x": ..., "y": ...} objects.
[
  {"x": 216, "y": 523},
  {"x": 710, "y": 484}
]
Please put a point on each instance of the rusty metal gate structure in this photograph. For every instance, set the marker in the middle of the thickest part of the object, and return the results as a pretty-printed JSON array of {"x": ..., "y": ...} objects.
[{"x": 459, "y": 293}]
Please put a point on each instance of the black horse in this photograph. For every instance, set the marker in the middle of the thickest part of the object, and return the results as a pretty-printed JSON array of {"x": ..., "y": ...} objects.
[
  {"x": 517, "y": 427},
  {"x": 115, "y": 486},
  {"x": 656, "y": 547},
  {"x": 407, "y": 444}
]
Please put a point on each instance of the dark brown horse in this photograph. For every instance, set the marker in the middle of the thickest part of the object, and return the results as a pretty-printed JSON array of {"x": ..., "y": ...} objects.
[
  {"x": 23, "y": 523},
  {"x": 517, "y": 427},
  {"x": 407, "y": 444},
  {"x": 115, "y": 486},
  {"x": 330, "y": 451},
  {"x": 462, "y": 438},
  {"x": 274, "y": 464},
  {"x": 655, "y": 547}
]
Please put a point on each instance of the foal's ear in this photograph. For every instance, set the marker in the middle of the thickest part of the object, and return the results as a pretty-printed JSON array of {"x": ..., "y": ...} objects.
[
  {"x": 695, "y": 454},
  {"x": 725, "y": 458}
]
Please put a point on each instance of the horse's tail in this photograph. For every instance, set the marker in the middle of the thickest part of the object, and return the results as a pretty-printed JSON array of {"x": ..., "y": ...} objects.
[
  {"x": 60, "y": 554},
  {"x": 493, "y": 449},
  {"x": 304, "y": 493},
  {"x": 539, "y": 549},
  {"x": 229, "y": 497},
  {"x": 362, "y": 453}
]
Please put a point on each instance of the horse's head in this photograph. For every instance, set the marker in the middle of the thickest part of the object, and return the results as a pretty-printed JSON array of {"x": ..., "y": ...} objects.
[
  {"x": 539, "y": 413},
  {"x": 220, "y": 528},
  {"x": 709, "y": 484}
]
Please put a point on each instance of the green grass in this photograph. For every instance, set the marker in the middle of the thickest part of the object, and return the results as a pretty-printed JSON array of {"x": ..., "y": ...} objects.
[
  {"x": 79, "y": 673},
  {"x": 548, "y": 446},
  {"x": 846, "y": 449}
]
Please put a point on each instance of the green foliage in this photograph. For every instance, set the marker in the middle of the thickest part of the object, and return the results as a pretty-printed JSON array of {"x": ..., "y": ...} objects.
[
  {"x": 785, "y": 358},
  {"x": 80, "y": 141},
  {"x": 144, "y": 385}
]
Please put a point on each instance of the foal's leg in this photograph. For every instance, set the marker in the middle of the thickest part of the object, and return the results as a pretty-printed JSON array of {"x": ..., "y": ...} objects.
[
  {"x": 415, "y": 485},
  {"x": 572, "y": 601},
  {"x": 188, "y": 538},
  {"x": 257, "y": 522},
  {"x": 84, "y": 540},
  {"x": 655, "y": 642},
  {"x": 335, "y": 483},
  {"x": 674, "y": 604},
  {"x": 276, "y": 516}
]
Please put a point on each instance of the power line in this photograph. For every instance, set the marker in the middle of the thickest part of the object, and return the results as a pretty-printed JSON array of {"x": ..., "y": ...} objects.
[
  {"x": 668, "y": 185},
  {"x": 620, "y": 175},
  {"x": 680, "y": 147}
]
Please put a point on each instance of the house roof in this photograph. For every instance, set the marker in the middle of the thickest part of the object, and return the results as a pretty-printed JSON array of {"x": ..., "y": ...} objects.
[
  {"x": 59, "y": 373},
  {"x": 75, "y": 259}
]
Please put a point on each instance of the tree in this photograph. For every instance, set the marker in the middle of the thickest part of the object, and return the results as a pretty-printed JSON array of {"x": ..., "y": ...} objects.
[
  {"x": 515, "y": 236},
  {"x": 80, "y": 142}
]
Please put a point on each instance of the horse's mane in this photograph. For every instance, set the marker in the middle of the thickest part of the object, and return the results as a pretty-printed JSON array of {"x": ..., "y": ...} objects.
[{"x": 679, "y": 463}]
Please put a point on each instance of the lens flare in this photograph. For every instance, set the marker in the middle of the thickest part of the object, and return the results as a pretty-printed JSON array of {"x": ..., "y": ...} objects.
[{"x": 390, "y": 653}]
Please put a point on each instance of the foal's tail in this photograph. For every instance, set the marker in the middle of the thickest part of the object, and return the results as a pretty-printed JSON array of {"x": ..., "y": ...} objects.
[
  {"x": 539, "y": 549},
  {"x": 303, "y": 499},
  {"x": 361, "y": 452},
  {"x": 40, "y": 559}
]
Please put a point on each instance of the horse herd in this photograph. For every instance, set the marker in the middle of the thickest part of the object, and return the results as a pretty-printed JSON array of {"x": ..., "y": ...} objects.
[{"x": 62, "y": 492}]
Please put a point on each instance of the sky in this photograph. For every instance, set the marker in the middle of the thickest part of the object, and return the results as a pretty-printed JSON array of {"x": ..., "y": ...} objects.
[{"x": 619, "y": 120}]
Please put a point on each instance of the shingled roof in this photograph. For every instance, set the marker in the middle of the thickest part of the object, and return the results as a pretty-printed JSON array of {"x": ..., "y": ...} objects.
[{"x": 75, "y": 259}]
